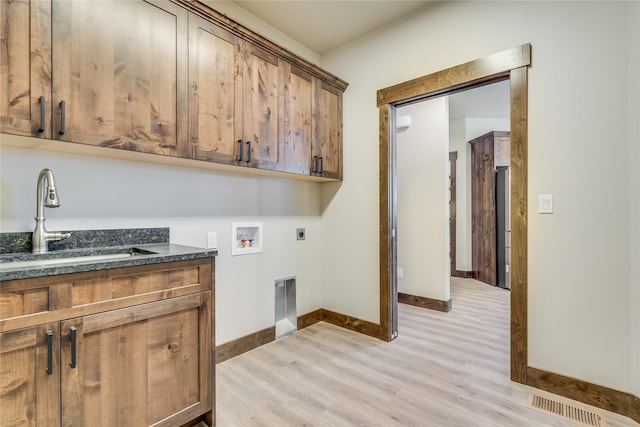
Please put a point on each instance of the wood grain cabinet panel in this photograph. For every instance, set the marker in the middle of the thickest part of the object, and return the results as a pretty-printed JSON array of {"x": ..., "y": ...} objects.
[
  {"x": 25, "y": 67},
  {"x": 312, "y": 128},
  {"x": 104, "y": 357},
  {"x": 261, "y": 109},
  {"x": 169, "y": 78},
  {"x": 297, "y": 127},
  {"x": 120, "y": 75},
  {"x": 216, "y": 83},
  {"x": 140, "y": 366},
  {"x": 327, "y": 138},
  {"x": 29, "y": 384},
  {"x": 235, "y": 99}
]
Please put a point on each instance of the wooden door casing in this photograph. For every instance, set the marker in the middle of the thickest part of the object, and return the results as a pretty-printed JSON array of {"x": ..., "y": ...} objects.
[
  {"x": 25, "y": 67},
  {"x": 140, "y": 366},
  {"x": 121, "y": 70},
  {"x": 29, "y": 394}
]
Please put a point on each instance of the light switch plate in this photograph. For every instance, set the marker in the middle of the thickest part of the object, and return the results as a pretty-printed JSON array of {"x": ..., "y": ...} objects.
[
  {"x": 545, "y": 203},
  {"x": 212, "y": 240}
]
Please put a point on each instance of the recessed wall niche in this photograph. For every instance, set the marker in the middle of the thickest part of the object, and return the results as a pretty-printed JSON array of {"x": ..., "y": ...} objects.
[{"x": 246, "y": 238}]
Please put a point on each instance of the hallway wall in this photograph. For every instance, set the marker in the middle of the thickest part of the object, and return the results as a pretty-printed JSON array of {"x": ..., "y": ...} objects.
[
  {"x": 423, "y": 200},
  {"x": 580, "y": 275}
]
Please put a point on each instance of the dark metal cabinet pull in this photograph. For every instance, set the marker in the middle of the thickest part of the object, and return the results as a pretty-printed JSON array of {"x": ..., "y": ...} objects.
[
  {"x": 248, "y": 151},
  {"x": 321, "y": 168},
  {"x": 240, "y": 149},
  {"x": 42, "y": 114},
  {"x": 62, "y": 116},
  {"x": 49, "y": 369},
  {"x": 315, "y": 164},
  {"x": 73, "y": 347}
]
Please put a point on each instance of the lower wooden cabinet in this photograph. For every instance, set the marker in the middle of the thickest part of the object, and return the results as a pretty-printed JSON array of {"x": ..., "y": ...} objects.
[
  {"x": 149, "y": 364},
  {"x": 30, "y": 376}
]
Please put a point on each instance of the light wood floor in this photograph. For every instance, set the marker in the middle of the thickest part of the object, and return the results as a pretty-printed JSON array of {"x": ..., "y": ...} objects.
[{"x": 445, "y": 369}]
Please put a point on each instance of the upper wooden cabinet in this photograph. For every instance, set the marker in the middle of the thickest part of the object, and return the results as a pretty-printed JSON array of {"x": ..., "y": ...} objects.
[
  {"x": 25, "y": 67},
  {"x": 235, "y": 107},
  {"x": 119, "y": 74},
  {"x": 173, "y": 78},
  {"x": 298, "y": 120},
  {"x": 262, "y": 108},
  {"x": 215, "y": 83},
  {"x": 327, "y": 137}
]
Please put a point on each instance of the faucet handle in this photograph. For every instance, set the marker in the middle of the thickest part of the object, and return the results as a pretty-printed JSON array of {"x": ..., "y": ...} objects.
[{"x": 56, "y": 235}]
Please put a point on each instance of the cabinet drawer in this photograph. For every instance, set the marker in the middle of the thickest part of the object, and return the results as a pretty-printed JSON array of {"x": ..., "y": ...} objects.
[{"x": 27, "y": 302}]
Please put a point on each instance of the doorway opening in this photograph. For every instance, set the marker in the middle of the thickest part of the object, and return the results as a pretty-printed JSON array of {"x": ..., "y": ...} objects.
[{"x": 513, "y": 65}]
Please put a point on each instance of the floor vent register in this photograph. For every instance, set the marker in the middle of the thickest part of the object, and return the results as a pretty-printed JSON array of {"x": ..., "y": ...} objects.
[{"x": 569, "y": 412}]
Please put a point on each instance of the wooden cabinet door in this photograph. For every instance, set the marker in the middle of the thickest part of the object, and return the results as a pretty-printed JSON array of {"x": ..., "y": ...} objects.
[
  {"x": 145, "y": 365},
  {"x": 215, "y": 95},
  {"x": 327, "y": 138},
  {"x": 25, "y": 67},
  {"x": 262, "y": 109},
  {"x": 298, "y": 120},
  {"x": 30, "y": 377},
  {"x": 120, "y": 74}
]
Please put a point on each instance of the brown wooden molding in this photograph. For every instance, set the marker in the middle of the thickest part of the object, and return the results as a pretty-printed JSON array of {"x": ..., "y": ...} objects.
[
  {"x": 453, "y": 157},
  {"x": 592, "y": 394},
  {"x": 339, "y": 319},
  {"x": 519, "y": 222},
  {"x": 634, "y": 408},
  {"x": 387, "y": 223},
  {"x": 512, "y": 64},
  {"x": 352, "y": 323},
  {"x": 463, "y": 274},
  {"x": 244, "y": 344},
  {"x": 202, "y": 420},
  {"x": 245, "y": 33},
  {"x": 480, "y": 70},
  {"x": 249, "y": 342},
  {"x": 309, "y": 319},
  {"x": 424, "y": 302}
]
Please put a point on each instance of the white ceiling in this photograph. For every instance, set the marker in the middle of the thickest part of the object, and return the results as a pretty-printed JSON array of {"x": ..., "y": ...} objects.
[
  {"x": 323, "y": 25},
  {"x": 485, "y": 102}
]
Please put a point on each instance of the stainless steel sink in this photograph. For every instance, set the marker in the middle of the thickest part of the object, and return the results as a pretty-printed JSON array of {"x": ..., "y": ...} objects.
[{"x": 53, "y": 258}]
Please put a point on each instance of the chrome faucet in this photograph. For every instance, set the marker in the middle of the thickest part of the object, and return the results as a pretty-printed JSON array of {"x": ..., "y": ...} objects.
[{"x": 41, "y": 237}]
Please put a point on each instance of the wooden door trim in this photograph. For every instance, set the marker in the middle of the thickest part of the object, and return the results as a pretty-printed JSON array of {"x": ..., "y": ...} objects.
[
  {"x": 510, "y": 64},
  {"x": 453, "y": 157}
]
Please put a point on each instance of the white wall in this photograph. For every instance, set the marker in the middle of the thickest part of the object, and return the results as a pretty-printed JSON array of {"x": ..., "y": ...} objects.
[
  {"x": 461, "y": 131},
  {"x": 105, "y": 193},
  {"x": 98, "y": 193},
  {"x": 580, "y": 284},
  {"x": 242, "y": 16},
  {"x": 423, "y": 200},
  {"x": 634, "y": 189}
]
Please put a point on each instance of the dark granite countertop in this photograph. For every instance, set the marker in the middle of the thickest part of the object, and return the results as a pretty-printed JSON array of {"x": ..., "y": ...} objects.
[{"x": 129, "y": 253}]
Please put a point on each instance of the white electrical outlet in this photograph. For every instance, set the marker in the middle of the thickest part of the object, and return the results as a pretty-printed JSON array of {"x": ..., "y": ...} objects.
[
  {"x": 212, "y": 240},
  {"x": 400, "y": 273}
]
